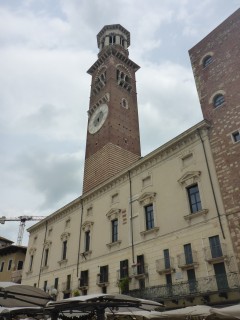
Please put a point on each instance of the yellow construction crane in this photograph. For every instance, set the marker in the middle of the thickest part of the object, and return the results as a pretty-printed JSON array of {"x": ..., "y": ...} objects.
[{"x": 22, "y": 225}]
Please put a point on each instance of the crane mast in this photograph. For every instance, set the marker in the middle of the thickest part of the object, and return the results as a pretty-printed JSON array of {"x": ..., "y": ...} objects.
[{"x": 22, "y": 225}]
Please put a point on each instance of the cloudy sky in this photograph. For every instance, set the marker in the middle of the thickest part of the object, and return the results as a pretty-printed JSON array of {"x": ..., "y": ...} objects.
[{"x": 46, "y": 47}]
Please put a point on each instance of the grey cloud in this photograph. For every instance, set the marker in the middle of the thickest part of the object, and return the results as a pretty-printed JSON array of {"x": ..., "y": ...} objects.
[{"x": 56, "y": 177}]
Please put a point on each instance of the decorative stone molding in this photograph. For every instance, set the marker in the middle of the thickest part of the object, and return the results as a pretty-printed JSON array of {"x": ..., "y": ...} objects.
[
  {"x": 101, "y": 68},
  {"x": 147, "y": 198},
  {"x": 114, "y": 197},
  {"x": 146, "y": 232},
  {"x": 63, "y": 262},
  {"x": 65, "y": 236},
  {"x": 189, "y": 178},
  {"x": 124, "y": 68},
  {"x": 191, "y": 216},
  {"x": 210, "y": 101},
  {"x": 47, "y": 244},
  {"x": 113, "y": 214},
  {"x": 87, "y": 225},
  {"x": 210, "y": 53},
  {"x": 89, "y": 211},
  {"x": 32, "y": 251},
  {"x": 114, "y": 244},
  {"x": 85, "y": 254},
  {"x": 103, "y": 99}
]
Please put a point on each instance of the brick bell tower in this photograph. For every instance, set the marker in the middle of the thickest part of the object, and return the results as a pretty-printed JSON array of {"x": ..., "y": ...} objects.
[
  {"x": 113, "y": 141},
  {"x": 216, "y": 66}
]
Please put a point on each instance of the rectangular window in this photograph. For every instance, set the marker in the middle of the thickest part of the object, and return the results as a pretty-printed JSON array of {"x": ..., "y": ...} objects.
[
  {"x": 236, "y": 136},
  {"x": 103, "y": 274},
  {"x": 192, "y": 283},
  {"x": 64, "y": 250},
  {"x": 84, "y": 278},
  {"x": 9, "y": 264},
  {"x": 31, "y": 263},
  {"x": 89, "y": 211},
  {"x": 124, "y": 269},
  {"x": 56, "y": 283},
  {"x": 194, "y": 198},
  {"x": 45, "y": 286},
  {"x": 188, "y": 253},
  {"x": 221, "y": 276},
  {"x": 140, "y": 264},
  {"x": 68, "y": 287},
  {"x": 149, "y": 217},
  {"x": 115, "y": 198},
  {"x": 46, "y": 257},
  {"x": 2, "y": 266},
  {"x": 168, "y": 279},
  {"x": 87, "y": 241},
  {"x": 166, "y": 258},
  {"x": 146, "y": 181},
  {"x": 115, "y": 230},
  {"x": 20, "y": 265},
  {"x": 141, "y": 284},
  {"x": 215, "y": 246},
  {"x": 67, "y": 223}
]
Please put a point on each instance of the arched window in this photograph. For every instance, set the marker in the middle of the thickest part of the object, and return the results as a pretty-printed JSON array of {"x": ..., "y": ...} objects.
[
  {"x": 112, "y": 39},
  {"x": 218, "y": 100},
  {"x": 207, "y": 60}
]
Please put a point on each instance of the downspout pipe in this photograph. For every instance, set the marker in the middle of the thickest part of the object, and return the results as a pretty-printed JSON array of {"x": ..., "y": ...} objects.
[
  {"x": 131, "y": 215},
  {"x": 79, "y": 241},
  {"x": 45, "y": 236},
  {"x": 211, "y": 182}
]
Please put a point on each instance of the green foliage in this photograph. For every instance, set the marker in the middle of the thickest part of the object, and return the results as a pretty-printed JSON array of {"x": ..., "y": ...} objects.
[
  {"x": 123, "y": 285},
  {"x": 76, "y": 293}
]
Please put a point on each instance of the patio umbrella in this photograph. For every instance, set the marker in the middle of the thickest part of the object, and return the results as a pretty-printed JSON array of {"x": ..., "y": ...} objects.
[
  {"x": 232, "y": 312},
  {"x": 136, "y": 314},
  {"x": 18, "y": 295},
  {"x": 21, "y": 312},
  {"x": 200, "y": 311},
  {"x": 96, "y": 304}
]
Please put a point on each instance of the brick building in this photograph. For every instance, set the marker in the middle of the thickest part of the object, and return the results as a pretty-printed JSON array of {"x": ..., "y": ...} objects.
[{"x": 216, "y": 67}]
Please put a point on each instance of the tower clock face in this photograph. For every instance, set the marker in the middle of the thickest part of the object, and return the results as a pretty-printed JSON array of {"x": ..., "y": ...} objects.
[{"x": 98, "y": 118}]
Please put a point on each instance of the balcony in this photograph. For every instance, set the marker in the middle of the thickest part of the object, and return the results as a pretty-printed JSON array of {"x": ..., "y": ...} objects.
[
  {"x": 139, "y": 271},
  {"x": 190, "y": 289},
  {"x": 187, "y": 261},
  {"x": 164, "y": 266},
  {"x": 216, "y": 253},
  {"x": 102, "y": 279},
  {"x": 83, "y": 283}
]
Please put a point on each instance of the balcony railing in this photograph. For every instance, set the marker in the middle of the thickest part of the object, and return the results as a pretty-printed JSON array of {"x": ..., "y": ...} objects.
[
  {"x": 206, "y": 285},
  {"x": 165, "y": 265},
  {"x": 186, "y": 261},
  {"x": 215, "y": 253},
  {"x": 139, "y": 271},
  {"x": 102, "y": 279},
  {"x": 83, "y": 283}
]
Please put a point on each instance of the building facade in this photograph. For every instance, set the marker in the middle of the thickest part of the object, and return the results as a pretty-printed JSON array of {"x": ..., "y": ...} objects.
[
  {"x": 11, "y": 261},
  {"x": 155, "y": 227},
  {"x": 216, "y": 67}
]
